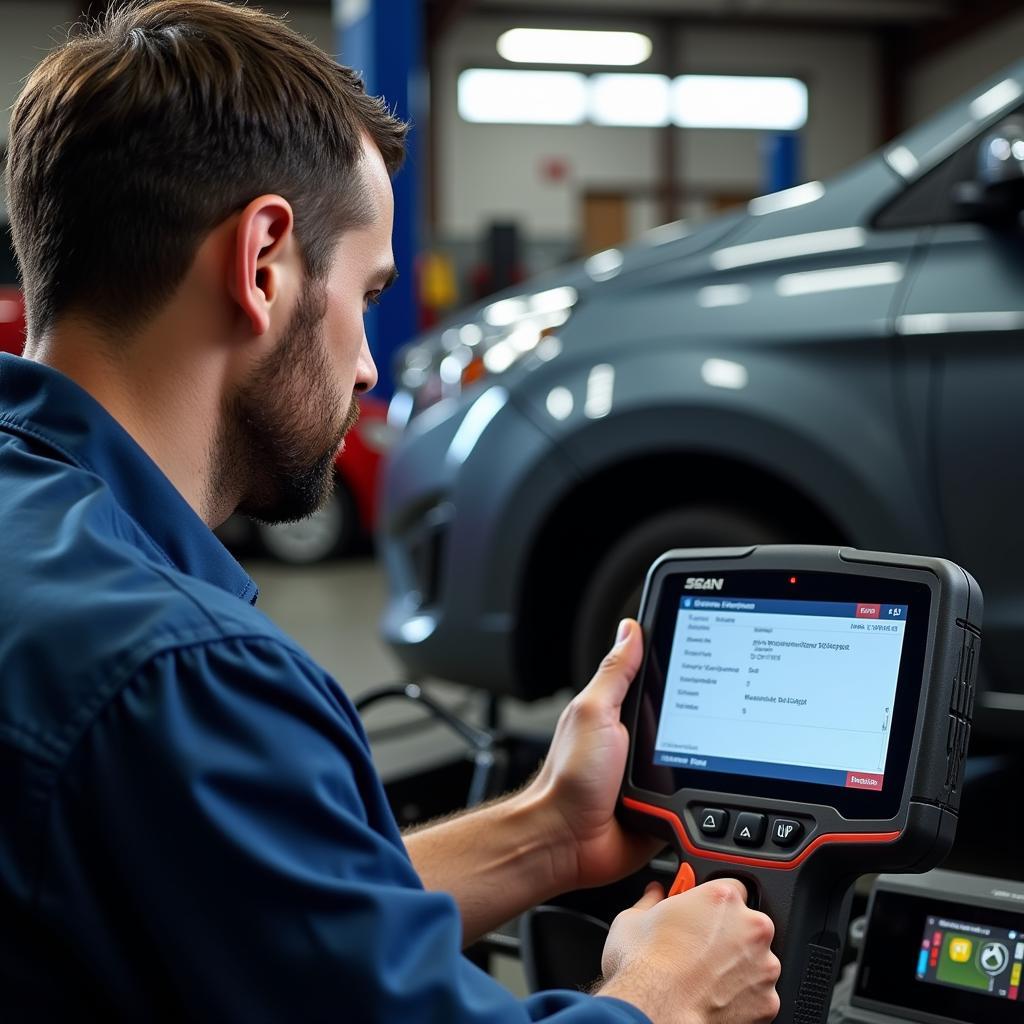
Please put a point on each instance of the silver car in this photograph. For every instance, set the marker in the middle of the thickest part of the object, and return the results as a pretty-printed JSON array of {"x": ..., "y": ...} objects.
[{"x": 842, "y": 362}]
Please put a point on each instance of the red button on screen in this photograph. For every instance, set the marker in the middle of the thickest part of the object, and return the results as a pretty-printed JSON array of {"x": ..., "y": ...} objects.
[
  {"x": 869, "y": 611},
  {"x": 864, "y": 780}
]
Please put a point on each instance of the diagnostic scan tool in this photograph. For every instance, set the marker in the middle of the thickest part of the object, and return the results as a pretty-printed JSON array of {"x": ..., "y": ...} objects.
[{"x": 801, "y": 718}]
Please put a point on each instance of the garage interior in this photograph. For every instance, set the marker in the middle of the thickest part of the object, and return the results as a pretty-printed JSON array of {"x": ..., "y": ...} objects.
[{"x": 500, "y": 206}]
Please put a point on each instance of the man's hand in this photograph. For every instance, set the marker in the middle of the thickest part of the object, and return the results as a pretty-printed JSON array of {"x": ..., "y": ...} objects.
[
  {"x": 701, "y": 957},
  {"x": 579, "y": 782},
  {"x": 557, "y": 834}
]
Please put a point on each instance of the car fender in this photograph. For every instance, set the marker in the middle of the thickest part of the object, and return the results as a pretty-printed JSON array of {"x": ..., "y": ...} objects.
[{"x": 832, "y": 436}]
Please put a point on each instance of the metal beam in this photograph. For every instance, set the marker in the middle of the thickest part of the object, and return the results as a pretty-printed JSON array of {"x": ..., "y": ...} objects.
[
  {"x": 974, "y": 16},
  {"x": 734, "y": 19},
  {"x": 440, "y": 15},
  {"x": 894, "y": 61}
]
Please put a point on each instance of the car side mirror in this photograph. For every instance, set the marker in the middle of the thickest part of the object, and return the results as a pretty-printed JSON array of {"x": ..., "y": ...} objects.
[{"x": 996, "y": 195}]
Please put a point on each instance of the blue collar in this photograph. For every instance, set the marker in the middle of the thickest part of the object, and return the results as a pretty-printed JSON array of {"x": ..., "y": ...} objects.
[{"x": 41, "y": 403}]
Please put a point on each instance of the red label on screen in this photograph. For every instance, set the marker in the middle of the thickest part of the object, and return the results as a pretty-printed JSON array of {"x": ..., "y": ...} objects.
[
  {"x": 864, "y": 780},
  {"x": 869, "y": 611}
]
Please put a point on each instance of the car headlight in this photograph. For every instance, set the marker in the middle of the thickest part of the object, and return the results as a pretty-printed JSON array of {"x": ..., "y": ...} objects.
[{"x": 507, "y": 331}]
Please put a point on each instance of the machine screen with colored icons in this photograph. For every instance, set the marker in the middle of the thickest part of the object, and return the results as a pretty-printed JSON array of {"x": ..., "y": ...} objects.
[{"x": 968, "y": 955}]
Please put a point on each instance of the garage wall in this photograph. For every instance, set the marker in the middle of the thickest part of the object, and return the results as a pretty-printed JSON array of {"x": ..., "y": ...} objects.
[
  {"x": 30, "y": 29},
  {"x": 940, "y": 80},
  {"x": 492, "y": 171},
  {"x": 842, "y": 74}
]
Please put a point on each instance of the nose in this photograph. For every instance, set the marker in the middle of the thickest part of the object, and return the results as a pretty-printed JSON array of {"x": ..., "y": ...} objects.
[{"x": 366, "y": 369}]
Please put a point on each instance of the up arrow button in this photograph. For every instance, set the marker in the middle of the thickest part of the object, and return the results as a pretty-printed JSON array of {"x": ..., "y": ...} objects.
[{"x": 786, "y": 831}]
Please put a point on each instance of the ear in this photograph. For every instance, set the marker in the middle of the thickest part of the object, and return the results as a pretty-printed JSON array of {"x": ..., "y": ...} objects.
[{"x": 262, "y": 259}]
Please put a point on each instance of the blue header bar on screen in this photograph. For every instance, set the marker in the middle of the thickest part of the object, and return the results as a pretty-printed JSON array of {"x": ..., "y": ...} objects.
[{"x": 765, "y": 606}]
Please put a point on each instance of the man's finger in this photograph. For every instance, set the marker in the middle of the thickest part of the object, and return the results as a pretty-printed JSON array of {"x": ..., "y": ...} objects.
[
  {"x": 652, "y": 896},
  {"x": 616, "y": 672}
]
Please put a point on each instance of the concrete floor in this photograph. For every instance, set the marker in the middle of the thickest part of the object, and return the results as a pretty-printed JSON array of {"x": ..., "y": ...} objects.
[{"x": 332, "y": 610}]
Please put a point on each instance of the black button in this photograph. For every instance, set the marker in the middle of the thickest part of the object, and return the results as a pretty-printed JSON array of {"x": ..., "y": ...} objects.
[
  {"x": 786, "y": 831},
  {"x": 712, "y": 821},
  {"x": 750, "y": 829}
]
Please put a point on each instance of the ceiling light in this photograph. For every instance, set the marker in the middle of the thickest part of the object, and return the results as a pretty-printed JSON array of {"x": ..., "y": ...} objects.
[
  {"x": 564, "y": 46},
  {"x": 629, "y": 100},
  {"x": 489, "y": 96},
  {"x": 739, "y": 101}
]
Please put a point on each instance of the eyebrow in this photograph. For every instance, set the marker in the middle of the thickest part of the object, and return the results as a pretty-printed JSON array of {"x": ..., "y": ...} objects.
[{"x": 387, "y": 277}]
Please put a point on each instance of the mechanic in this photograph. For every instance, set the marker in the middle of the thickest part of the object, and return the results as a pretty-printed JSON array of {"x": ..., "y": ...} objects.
[{"x": 191, "y": 824}]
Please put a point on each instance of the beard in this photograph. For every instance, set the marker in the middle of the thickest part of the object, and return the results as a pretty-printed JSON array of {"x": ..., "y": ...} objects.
[{"x": 281, "y": 429}]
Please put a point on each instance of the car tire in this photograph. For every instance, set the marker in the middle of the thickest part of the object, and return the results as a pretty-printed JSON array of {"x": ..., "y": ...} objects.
[
  {"x": 614, "y": 589},
  {"x": 330, "y": 532}
]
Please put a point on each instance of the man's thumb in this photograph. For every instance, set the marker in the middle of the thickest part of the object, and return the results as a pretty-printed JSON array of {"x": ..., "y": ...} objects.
[{"x": 652, "y": 896}]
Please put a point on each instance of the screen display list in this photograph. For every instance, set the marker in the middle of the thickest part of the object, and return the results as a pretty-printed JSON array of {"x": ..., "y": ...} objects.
[
  {"x": 784, "y": 689},
  {"x": 980, "y": 958}
]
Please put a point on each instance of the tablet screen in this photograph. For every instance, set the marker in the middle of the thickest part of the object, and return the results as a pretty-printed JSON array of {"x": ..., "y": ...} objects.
[
  {"x": 797, "y": 687},
  {"x": 782, "y": 689}
]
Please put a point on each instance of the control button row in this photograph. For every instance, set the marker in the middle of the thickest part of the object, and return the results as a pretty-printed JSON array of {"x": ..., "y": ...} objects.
[{"x": 750, "y": 827}]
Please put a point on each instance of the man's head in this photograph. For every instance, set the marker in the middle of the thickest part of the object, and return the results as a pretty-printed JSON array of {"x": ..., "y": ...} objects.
[{"x": 176, "y": 121}]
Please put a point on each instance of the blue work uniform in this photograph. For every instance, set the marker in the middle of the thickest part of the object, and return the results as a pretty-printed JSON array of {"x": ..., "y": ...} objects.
[{"x": 191, "y": 826}]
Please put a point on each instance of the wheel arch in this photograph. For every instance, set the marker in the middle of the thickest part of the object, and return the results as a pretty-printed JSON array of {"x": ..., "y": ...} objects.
[{"x": 562, "y": 556}]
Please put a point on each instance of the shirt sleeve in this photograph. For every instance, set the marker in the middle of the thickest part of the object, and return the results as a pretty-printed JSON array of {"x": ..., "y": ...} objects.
[{"x": 220, "y": 848}]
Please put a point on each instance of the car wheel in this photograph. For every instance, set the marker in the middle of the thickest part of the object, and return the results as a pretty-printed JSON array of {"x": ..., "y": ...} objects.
[
  {"x": 331, "y": 531},
  {"x": 613, "y": 591}
]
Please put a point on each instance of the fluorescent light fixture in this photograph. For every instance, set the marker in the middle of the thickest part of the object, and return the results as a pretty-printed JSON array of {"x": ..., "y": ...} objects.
[
  {"x": 739, "y": 101},
  {"x": 568, "y": 46},
  {"x": 999, "y": 96},
  {"x": 839, "y": 279},
  {"x": 488, "y": 96},
  {"x": 724, "y": 373},
  {"x": 560, "y": 403},
  {"x": 902, "y": 161},
  {"x": 810, "y": 192},
  {"x": 716, "y": 295},
  {"x": 603, "y": 266},
  {"x": 475, "y": 422},
  {"x": 632, "y": 100},
  {"x": 809, "y": 244},
  {"x": 960, "y": 323},
  {"x": 600, "y": 389}
]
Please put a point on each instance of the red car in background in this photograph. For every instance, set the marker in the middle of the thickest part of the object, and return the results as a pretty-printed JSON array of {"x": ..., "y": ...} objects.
[
  {"x": 12, "y": 320},
  {"x": 345, "y": 524}
]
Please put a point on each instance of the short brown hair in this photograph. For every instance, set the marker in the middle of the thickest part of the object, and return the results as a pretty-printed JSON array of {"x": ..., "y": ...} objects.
[{"x": 133, "y": 140}]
